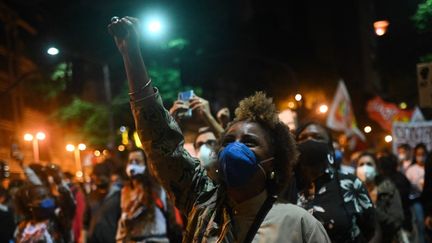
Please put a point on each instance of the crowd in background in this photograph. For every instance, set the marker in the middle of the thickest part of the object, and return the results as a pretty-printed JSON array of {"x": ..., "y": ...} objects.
[
  {"x": 253, "y": 180},
  {"x": 392, "y": 190}
]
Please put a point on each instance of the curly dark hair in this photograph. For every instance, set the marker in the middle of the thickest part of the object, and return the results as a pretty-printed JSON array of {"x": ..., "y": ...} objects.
[{"x": 261, "y": 109}]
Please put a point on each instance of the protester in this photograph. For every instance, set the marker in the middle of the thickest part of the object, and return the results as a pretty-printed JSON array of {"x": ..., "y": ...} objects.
[
  {"x": 339, "y": 201},
  {"x": 205, "y": 146},
  {"x": 206, "y": 139},
  {"x": 404, "y": 157},
  {"x": 144, "y": 205},
  {"x": 46, "y": 218},
  {"x": 78, "y": 220},
  {"x": 388, "y": 167},
  {"x": 385, "y": 197},
  {"x": 7, "y": 222},
  {"x": 427, "y": 198},
  {"x": 201, "y": 108},
  {"x": 103, "y": 210},
  {"x": 256, "y": 154},
  {"x": 415, "y": 174}
]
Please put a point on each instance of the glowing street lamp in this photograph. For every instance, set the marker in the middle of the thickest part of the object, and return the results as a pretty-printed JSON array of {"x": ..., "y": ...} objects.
[
  {"x": 70, "y": 147},
  {"x": 53, "y": 51},
  {"x": 35, "y": 139},
  {"x": 40, "y": 136},
  {"x": 388, "y": 139},
  {"x": 28, "y": 137},
  {"x": 97, "y": 153},
  {"x": 381, "y": 27},
  {"x": 298, "y": 97},
  {"x": 154, "y": 26},
  {"x": 323, "y": 109},
  {"x": 121, "y": 148},
  {"x": 367, "y": 129},
  {"x": 78, "y": 163},
  {"x": 82, "y": 147}
]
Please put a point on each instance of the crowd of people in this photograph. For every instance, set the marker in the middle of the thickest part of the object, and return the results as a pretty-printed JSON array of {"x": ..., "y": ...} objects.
[{"x": 252, "y": 180}]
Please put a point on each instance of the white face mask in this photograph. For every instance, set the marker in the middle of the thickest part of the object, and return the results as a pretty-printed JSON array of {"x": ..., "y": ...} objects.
[
  {"x": 366, "y": 173},
  {"x": 402, "y": 157},
  {"x": 134, "y": 169},
  {"x": 206, "y": 155}
]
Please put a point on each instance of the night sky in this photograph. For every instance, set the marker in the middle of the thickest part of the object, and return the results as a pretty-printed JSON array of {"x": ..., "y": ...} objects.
[{"x": 237, "y": 47}]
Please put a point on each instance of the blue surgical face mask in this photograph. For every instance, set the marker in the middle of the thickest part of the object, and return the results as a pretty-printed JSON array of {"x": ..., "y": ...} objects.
[
  {"x": 237, "y": 164},
  {"x": 44, "y": 210},
  {"x": 47, "y": 203}
]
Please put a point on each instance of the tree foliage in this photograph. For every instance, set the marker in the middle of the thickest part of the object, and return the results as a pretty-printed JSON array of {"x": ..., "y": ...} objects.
[
  {"x": 423, "y": 17},
  {"x": 91, "y": 119}
]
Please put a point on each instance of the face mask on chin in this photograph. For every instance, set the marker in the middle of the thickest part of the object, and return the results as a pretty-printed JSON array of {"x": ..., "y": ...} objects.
[{"x": 238, "y": 164}]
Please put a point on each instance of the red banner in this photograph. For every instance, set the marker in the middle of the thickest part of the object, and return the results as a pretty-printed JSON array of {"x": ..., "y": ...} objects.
[{"x": 385, "y": 113}]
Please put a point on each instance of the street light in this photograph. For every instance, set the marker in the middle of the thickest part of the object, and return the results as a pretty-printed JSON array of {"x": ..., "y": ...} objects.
[
  {"x": 367, "y": 129},
  {"x": 298, "y": 97},
  {"x": 35, "y": 139},
  {"x": 78, "y": 163},
  {"x": 70, "y": 147},
  {"x": 28, "y": 137},
  {"x": 82, "y": 147},
  {"x": 40, "y": 136},
  {"x": 154, "y": 26},
  {"x": 381, "y": 27},
  {"x": 53, "y": 51},
  {"x": 323, "y": 109},
  {"x": 388, "y": 138}
]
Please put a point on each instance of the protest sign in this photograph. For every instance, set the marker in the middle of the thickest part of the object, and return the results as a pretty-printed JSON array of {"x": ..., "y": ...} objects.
[{"x": 412, "y": 133}]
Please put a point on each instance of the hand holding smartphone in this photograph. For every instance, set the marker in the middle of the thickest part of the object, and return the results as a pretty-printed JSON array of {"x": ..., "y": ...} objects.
[{"x": 185, "y": 97}]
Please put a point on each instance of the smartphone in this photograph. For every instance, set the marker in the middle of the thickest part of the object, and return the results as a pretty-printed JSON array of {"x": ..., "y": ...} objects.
[{"x": 185, "y": 96}]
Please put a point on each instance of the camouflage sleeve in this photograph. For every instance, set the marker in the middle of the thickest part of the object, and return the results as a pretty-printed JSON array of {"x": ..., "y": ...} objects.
[{"x": 178, "y": 172}]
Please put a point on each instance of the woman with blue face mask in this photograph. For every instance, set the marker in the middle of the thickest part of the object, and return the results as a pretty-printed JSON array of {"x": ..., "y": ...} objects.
[
  {"x": 385, "y": 197},
  {"x": 254, "y": 163}
]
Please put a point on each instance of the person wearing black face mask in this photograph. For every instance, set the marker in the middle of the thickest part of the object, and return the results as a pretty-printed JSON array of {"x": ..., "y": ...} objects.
[
  {"x": 103, "y": 211},
  {"x": 340, "y": 202}
]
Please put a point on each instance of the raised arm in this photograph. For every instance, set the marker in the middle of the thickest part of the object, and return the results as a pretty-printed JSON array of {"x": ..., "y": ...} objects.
[{"x": 162, "y": 139}]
